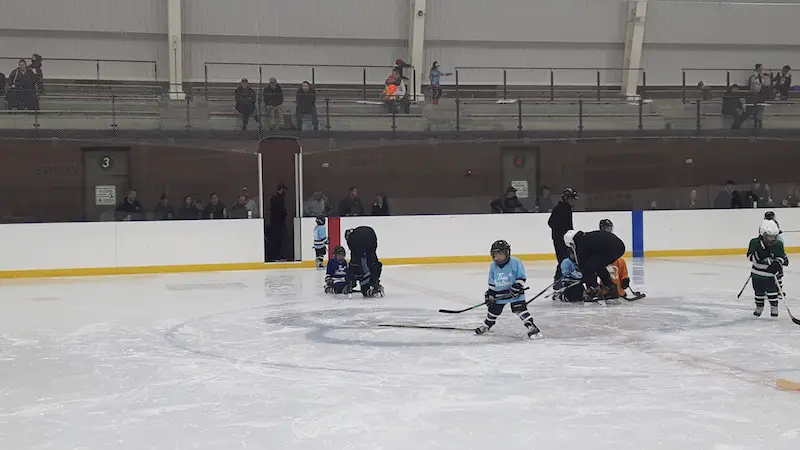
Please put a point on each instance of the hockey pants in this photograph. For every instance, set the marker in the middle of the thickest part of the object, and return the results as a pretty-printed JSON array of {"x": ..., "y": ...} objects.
[
  {"x": 366, "y": 268},
  {"x": 765, "y": 288},
  {"x": 595, "y": 267}
]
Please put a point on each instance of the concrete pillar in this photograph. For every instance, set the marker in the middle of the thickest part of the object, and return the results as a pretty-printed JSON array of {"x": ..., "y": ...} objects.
[
  {"x": 634, "y": 40},
  {"x": 416, "y": 42},
  {"x": 175, "y": 46}
]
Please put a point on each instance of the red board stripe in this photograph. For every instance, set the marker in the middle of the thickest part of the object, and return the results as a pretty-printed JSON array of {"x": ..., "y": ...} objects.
[{"x": 334, "y": 234}]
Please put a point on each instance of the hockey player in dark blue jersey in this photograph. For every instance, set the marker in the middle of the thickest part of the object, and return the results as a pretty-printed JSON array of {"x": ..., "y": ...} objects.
[
  {"x": 506, "y": 286},
  {"x": 336, "y": 275},
  {"x": 320, "y": 241}
]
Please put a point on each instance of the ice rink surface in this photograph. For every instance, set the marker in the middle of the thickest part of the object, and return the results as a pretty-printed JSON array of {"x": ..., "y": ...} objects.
[{"x": 266, "y": 360}]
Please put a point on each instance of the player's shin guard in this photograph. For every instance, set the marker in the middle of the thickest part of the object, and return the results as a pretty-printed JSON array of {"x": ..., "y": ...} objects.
[
  {"x": 521, "y": 309},
  {"x": 491, "y": 318}
]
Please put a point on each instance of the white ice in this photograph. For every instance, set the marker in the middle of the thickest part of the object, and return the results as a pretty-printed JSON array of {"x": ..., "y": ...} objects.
[{"x": 266, "y": 360}]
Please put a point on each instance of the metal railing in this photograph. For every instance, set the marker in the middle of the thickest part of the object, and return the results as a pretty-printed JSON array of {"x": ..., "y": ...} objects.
[
  {"x": 360, "y": 74},
  {"x": 570, "y": 117},
  {"x": 549, "y": 77},
  {"x": 94, "y": 69}
]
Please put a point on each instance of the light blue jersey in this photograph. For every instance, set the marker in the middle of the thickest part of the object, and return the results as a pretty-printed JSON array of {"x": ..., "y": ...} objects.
[
  {"x": 570, "y": 271},
  {"x": 502, "y": 278},
  {"x": 320, "y": 236}
]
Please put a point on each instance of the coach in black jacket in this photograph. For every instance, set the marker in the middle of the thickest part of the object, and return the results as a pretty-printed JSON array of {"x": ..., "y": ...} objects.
[{"x": 560, "y": 222}]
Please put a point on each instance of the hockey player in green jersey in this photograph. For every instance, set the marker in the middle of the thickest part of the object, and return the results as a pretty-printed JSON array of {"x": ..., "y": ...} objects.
[{"x": 768, "y": 257}]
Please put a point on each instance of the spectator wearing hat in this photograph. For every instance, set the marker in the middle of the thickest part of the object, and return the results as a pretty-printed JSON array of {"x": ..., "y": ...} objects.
[
  {"x": 508, "y": 204},
  {"x": 757, "y": 196},
  {"x": 245, "y": 102}
]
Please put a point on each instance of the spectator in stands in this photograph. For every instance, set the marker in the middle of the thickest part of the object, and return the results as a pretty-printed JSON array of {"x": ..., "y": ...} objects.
[
  {"x": 317, "y": 205},
  {"x": 400, "y": 66},
  {"x": 239, "y": 210},
  {"x": 251, "y": 204},
  {"x": 273, "y": 101},
  {"x": 756, "y": 80},
  {"x": 277, "y": 224},
  {"x": 380, "y": 207},
  {"x": 246, "y": 102},
  {"x": 790, "y": 201},
  {"x": 36, "y": 67},
  {"x": 544, "y": 204},
  {"x": 22, "y": 88},
  {"x": 754, "y": 107},
  {"x": 351, "y": 205},
  {"x": 215, "y": 209},
  {"x": 188, "y": 210},
  {"x": 435, "y": 77},
  {"x": 2, "y": 86},
  {"x": 509, "y": 204},
  {"x": 164, "y": 211},
  {"x": 728, "y": 197},
  {"x": 306, "y": 99},
  {"x": 692, "y": 200},
  {"x": 704, "y": 92},
  {"x": 130, "y": 209},
  {"x": 783, "y": 83},
  {"x": 757, "y": 196},
  {"x": 732, "y": 105}
]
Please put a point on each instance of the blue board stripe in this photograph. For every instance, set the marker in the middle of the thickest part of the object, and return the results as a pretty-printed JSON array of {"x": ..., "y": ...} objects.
[{"x": 637, "y": 225}]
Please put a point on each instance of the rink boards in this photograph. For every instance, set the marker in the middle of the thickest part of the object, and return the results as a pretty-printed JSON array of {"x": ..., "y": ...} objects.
[{"x": 112, "y": 248}]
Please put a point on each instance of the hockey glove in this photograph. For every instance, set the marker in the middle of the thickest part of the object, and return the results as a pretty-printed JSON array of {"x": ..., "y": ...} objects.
[
  {"x": 784, "y": 260},
  {"x": 489, "y": 297},
  {"x": 775, "y": 267},
  {"x": 626, "y": 283},
  {"x": 517, "y": 289}
]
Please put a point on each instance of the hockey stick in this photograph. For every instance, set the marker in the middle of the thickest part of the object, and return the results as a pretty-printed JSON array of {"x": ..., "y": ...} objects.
[
  {"x": 780, "y": 292},
  {"x": 745, "y": 285},
  {"x": 459, "y": 311},
  {"x": 540, "y": 293},
  {"x": 562, "y": 290},
  {"x": 426, "y": 327}
]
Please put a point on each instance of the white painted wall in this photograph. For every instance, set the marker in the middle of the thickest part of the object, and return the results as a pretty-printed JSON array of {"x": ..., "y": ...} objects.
[
  {"x": 130, "y": 244},
  {"x": 548, "y": 33},
  {"x": 465, "y": 235},
  {"x": 472, "y": 235}
]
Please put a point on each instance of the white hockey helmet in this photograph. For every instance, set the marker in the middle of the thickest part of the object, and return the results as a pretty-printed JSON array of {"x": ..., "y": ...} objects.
[
  {"x": 569, "y": 238},
  {"x": 769, "y": 229}
]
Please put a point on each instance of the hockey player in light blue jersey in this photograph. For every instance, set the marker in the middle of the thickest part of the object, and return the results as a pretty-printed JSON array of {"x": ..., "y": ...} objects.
[
  {"x": 570, "y": 287},
  {"x": 336, "y": 276},
  {"x": 320, "y": 241},
  {"x": 506, "y": 286}
]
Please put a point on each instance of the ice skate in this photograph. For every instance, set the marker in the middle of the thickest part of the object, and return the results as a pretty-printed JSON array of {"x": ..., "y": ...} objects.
[
  {"x": 483, "y": 329},
  {"x": 759, "y": 310},
  {"x": 773, "y": 310},
  {"x": 533, "y": 330}
]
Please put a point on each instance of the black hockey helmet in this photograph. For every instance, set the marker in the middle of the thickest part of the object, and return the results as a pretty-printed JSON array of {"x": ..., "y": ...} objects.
[
  {"x": 570, "y": 193},
  {"x": 339, "y": 250},
  {"x": 320, "y": 220},
  {"x": 500, "y": 246},
  {"x": 606, "y": 223},
  {"x": 769, "y": 215}
]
